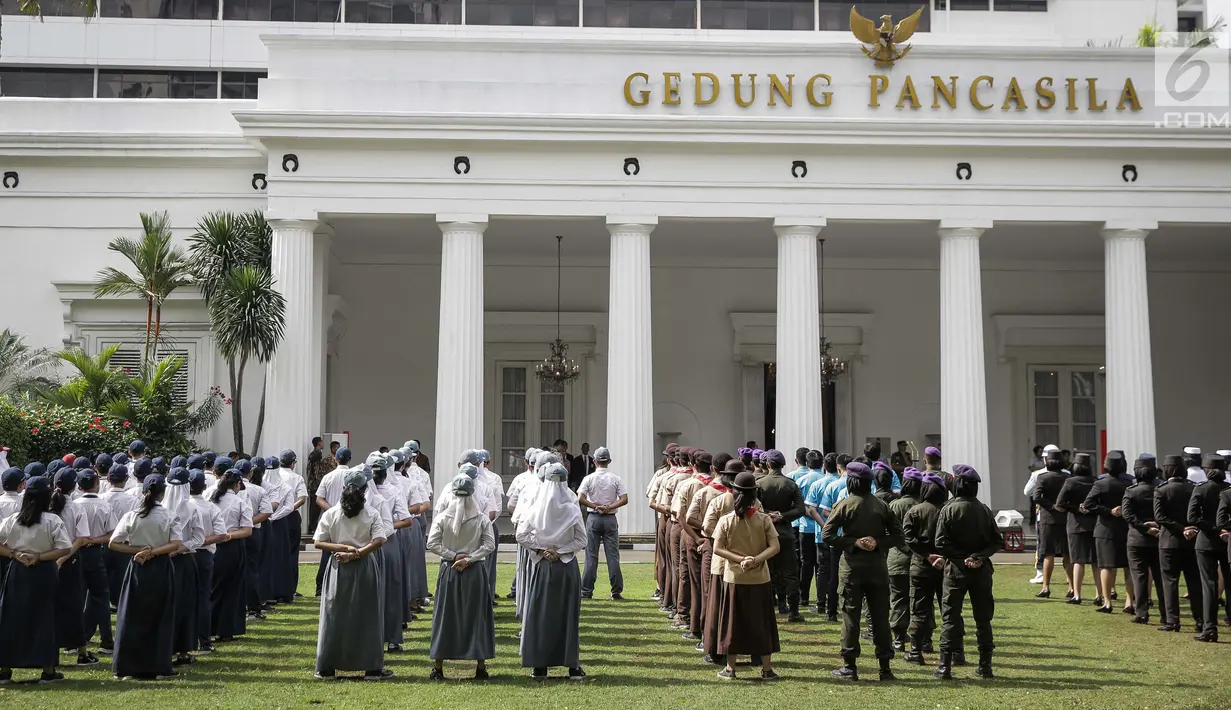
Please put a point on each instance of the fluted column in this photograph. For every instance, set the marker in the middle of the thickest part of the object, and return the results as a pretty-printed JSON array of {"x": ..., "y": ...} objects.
[
  {"x": 630, "y": 364},
  {"x": 291, "y": 416},
  {"x": 1130, "y": 368},
  {"x": 963, "y": 379},
  {"x": 797, "y": 421},
  {"x": 459, "y": 364}
]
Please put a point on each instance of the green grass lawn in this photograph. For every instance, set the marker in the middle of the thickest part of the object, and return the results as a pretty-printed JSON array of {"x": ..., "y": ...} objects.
[{"x": 1050, "y": 655}]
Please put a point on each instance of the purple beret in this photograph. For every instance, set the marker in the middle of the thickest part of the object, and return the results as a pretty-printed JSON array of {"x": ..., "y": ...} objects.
[
  {"x": 855, "y": 469},
  {"x": 931, "y": 451},
  {"x": 912, "y": 474},
  {"x": 743, "y": 450},
  {"x": 961, "y": 470},
  {"x": 775, "y": 456},
  {"x": 881, "y": 465},
  {"x": 930, "y": 477},
  {"x": 757, "y": 454}
]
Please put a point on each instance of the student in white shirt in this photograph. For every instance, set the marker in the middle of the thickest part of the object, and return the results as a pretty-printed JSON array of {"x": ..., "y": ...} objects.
[
  {"x": 145, "y": 620},
  {"x": 495, "y": 487},
  {"x": 70, "y": 587},
  {"x": 227, "y": 606},
  {"x": 209, "y": 518},
  {"x": 96, "y": 521},
  {"x": 397, "y": 520},
  {"x": 13, "y": 481},
  {"x": 287, "y": 522},
  {"x": 328, "y": 493},
  {"x": 520, "y": 481},
  {"x": 32, "y": 540},
  {"x": 179, "y": 502},
  {"x": 261, "y": 503},
  {"x": 121, "y": 502},
  {"x": 602, "y": 492}
]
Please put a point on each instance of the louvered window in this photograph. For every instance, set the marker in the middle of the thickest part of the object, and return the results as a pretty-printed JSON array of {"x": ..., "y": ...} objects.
[{"x": 129, "y": 358}]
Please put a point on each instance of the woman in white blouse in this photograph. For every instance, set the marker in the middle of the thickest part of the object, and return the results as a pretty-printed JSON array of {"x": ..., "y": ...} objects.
[
  {"x": 70, "y": 588},
  {"x": 351, "y": 634},
  {"x": 227, "y": 600},
  {"x": 179, "y": 502},
  {"x": 210, "y": 519},
  {"x": 32, "y": 539},
  {"x": 145, "y": 618}
]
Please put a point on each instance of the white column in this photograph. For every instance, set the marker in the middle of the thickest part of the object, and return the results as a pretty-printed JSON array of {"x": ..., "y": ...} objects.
[
  {"x": 1130, "y": 369},
  {"x": 630, "y": 364},
  {"x": 797, "y": 421},
  {"x": 963, "y": 381},
  {"x": 459, "y": 365},
  {"x": 320, "y": 325},
  {"x": 292, "y": 411}
]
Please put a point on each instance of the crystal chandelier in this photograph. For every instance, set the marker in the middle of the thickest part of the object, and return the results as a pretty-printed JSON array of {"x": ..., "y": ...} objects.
[
  {"x": 831, "y": 367},
  {"x": 558, "y": 367}
]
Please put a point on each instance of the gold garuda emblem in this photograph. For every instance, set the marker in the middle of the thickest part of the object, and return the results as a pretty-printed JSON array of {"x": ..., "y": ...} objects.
[{"x": 887, "y": 40}]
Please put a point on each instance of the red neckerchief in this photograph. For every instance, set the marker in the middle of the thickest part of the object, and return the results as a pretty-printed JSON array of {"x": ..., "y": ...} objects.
[
  {"x": 750, "y": 512},
  {"x": 704, "y": 478},
  {"x": 716, "y": 485}
]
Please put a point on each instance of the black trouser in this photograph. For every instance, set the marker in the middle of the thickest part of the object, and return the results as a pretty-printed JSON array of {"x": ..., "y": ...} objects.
[
  {"x": 1142, "y": 562},
  {"x": 876, "y": 592},
  {"x": 98, "y": 592},
  {"x": 1173, "y": 563},
  {"x": 923, "y": 606},
  {"x": 899, "y": 604},
  {"x": 1209, "y": 563},
  {"x": 978, "y": 584},
  {"x": 784, "y": 569},
  {"x": 809, "y": 568},
  {"x": 830, "y": 561}
]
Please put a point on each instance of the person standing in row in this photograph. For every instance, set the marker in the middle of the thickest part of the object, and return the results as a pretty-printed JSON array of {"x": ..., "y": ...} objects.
[
  {"x": 695, "y": 517},
  {"x": 97, "y": 523},
  {"x": 32, "y": 540},
  {"x": 1080, "y": 524},
  {"x": 1137, "y": 509},
  {"x": 720, "y": 504},
  {"x": 391, "y": 502},
  {"x": 805, "y": 529},
  {"x": 228, "y": 609},
  {"x": 783, "y": 502},
  {"x": 1210, "y": 550},
  {"x": 463, "y": 624},
  {"x": 209, "y": 517},
  {"x": 519, "y": 484},
  {"x": 662, "y": 563},
  {"x": 603, "y": 493},
  {"x": 862, "y": 529},
  {"x": 966, "y": 539},
  {"x": 70, "y": 587},
  {"x": 261, "y": 503},
  {"x": 666, "y": 493},
  {"x": 825, "y": 505},
  {"x": 898, "y": 561},
  {"x": 184, "y": 568},
  {"x": 1052, "y": 521},
  {"x": 926, "y": 565},
  {"x": 1110, "y": 531},
  {"x": 328, "y": 493},
  {"x": 350, "y": 636},
  {"x": 1176, "y": 554},
  {"x": 121, "y": 502}
]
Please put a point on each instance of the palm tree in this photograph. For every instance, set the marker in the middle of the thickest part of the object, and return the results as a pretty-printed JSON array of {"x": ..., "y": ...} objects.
[
  {"x": 88, "y": 8},
  {"x": 23, "y": 368},
  {"x": 148, "y": 401},
  {"x": 230, "y": 258},
  {"x": 96, "y": 384},
  {"x": 160, "y": 269}
]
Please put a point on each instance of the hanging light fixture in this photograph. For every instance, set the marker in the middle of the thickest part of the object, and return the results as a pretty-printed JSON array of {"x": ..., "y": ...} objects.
[
  {"x": 558, "y": 367},
  {"x": 831, "y": 367}
]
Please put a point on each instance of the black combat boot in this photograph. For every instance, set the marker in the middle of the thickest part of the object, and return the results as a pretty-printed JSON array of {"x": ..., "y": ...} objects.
[
  {"x": 886, "y": 673},
  {"x": 915, "y": 655},
  {"x": 899, "y": 641},
  {"x": 944, "y": 671},
  {"x": 795, "y": 617},
  {"x": 984, "y": 670},
  {"x": 848, "y": 670},
  {"x": 959, "y": 657}
]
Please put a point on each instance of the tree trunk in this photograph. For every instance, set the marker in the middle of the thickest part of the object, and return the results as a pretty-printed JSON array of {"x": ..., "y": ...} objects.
[
  {"x": 149, "y": 324},
  {"x": 237, "y": 424},
  {"x": 157, "y": 330},
  {"x": 237, "y": 406},
  {"x": 260, "y": 415}
]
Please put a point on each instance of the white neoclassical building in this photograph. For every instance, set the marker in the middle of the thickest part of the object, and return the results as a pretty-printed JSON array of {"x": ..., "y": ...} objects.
[{"x": 1020, "y": 246}]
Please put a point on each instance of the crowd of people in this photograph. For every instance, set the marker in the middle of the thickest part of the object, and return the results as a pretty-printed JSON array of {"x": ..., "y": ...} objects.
[{"x": 1158, "y": 524}]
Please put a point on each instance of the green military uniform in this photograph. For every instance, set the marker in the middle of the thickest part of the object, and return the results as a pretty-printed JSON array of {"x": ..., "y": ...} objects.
[
  {"x": 779, "y": 493},
  {"x": 863, "y": 574},
  {"x": 966, "y": 529},
  {"x": 899, "y": 576},
  {"x": 919, "y": 528}
]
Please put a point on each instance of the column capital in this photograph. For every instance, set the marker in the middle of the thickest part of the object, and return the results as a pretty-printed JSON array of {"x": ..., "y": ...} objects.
[
  {"x": 798, "y": 226},
  {"x": 959, "y": 228},
  {"x": 631, "y": 224},
  {"x": 1128, "y": 229},
  {"x": 306, "y": 221},
  {"x": 450, "y": 221}
]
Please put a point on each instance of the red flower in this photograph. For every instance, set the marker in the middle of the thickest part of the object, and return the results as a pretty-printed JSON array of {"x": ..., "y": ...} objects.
[
  {"x": 104, "y": 429},
  {"x": 34, "y": 430},
  {"x": 227, "y": 400},
  {"x": 125, "y": 424},
  {"x": 97, "y": 419},
  {"x": 93, "y": 426}
]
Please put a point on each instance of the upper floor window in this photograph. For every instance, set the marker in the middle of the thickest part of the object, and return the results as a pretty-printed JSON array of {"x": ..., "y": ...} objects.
[
  {"x": 282, "y": 10},
  {"x": 47, "y": 83},
  {"x": 757, "y": 15},
  {"x": 540, "y": 13},
  {"x": 161, "y": 9},
  {"x": 405, "y": 12},
  {"x": 998, "y": 5},
  {"x": 140, "y": 84},
  {"x": 964, "y": 4},
  {"x": 51, "y": 8},
  {"x": 240, "y": 84},
  {"x": 836, "y": 14},
  {"x": 675, "y": 14}
]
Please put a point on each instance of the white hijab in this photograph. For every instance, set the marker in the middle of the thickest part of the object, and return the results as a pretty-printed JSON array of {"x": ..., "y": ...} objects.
[
  {"x": 178, "y": 500},
  {"x": 554, "y": 511},
  {"x": 464, "y": 506}
]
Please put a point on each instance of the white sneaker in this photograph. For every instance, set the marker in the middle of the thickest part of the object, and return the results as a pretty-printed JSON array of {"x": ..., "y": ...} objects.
[{"x": 1037, "y": 579}]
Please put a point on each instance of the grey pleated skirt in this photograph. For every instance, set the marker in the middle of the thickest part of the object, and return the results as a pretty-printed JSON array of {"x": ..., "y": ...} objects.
[
  {"x": 463, "y": 623},
  {"x": 417, "y": 582},
  {"x": 551, "y": 615},
  {"x": 391, "y": 567},
  {"x": 522, "y": 585},
  {"x": 351, "y": 627}
]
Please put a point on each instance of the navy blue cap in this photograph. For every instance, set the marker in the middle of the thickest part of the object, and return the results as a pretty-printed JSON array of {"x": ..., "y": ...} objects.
[
  {"x": 179, "y": 476},
  {"x": 81, "y": 462},
  {"x": 103, "y": 461},
  {"x": 86, "y": 478},
  {"x": 137, "y": 447},
  {"x": 273, "y": 462},
  {"x": 12, "y": 477},
  {"x": 160, "y": 465},
  {"x": 34, "y": 468},
  {"x": 209, "y": 458},
  {"x": 258, "y": 464},
  {"x": 153, "y": 480},
  {"x": 233, "y": 474},
  {"x": 121, "y": 458},
  {"x": 143, "y": 468},
  {"x": 196, "y": 475},
  {"x": 55, "y": 465},
  {"x": 961, "y": 470},
  {"x": 65, "y": 477},
  {"x": 117, "y": 473},
  {"x": 38, "y": 484},
  {"x": 179, "y": 462},
  {"x": 343, "y": 454},
  {"x": 287, "y": 457},
  {"x": 196, "y": 462},
  {"x": 244, "y": 466},
  {"x": 222, "y": 463}
]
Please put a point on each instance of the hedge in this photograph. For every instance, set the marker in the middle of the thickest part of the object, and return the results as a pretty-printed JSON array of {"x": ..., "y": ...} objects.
[{"x": 45, "y": 432}]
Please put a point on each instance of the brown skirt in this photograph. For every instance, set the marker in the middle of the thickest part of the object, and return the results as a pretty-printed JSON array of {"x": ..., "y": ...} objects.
[
  {"x": 748, "y": 624},
  {"x": 713, "y": 614}
]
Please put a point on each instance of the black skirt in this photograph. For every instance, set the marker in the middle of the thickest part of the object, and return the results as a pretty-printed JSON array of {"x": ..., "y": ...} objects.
[
  {"x": 185, "y": 636},
  {"x": 1081, "y": 548},
  {"x": 1111, "y": 554},
  {"x": 290, "y": 560},
  {"x": 749, "y": 626},
  {"x": 273, "y": 572},
  {"x": 145, "y": 622},
  {"x": 117, "y": 566},
  {"x": 27, "y": 617},
  {"x": 254, "y": 547},
  {"x": 204, "y": 561},
  {"x": 70, "y": 605},
  {"x": 228, "y": 616},
  {"x": 1053, "y": 540}
]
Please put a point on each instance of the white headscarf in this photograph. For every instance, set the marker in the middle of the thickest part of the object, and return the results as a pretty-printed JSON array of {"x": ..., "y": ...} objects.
[
  {"x": 178, "y": 500},
  {"x": 554, "y": 511},
  {"x": 464, "y": 506}
]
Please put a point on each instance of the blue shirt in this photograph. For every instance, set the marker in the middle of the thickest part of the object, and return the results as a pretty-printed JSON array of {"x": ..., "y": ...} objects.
[
  {"x": 829, "y": 498},
  {"x": 805, "y": 483},
  {"x": 794, "y": 475},
  {"x": 816, "y": 492}
]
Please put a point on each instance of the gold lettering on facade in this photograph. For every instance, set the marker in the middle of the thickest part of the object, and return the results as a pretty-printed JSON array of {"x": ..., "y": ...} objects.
[
  {"x": 700, "y": 100},
  {"x": 786, "y": 93},
  {"x": 1047, "y": 97},
  {"x": 643, "y": 93},
  {"x": 1092, "y": 85},
  {"x": 1072, "y": 90},
  {"x": 1014, "y": 96},
  {"x": 974, "y": 92},
  {"x": 739, "y": 99},
  {"x": 671, "y": 87},
  {"x": 880, "y": 83},
  {"x": 939, "y": 89},
  {"x": 827, "y": 96},
  {"x": 1129, "y": 94},
  {"x": 908, "y": 94}
]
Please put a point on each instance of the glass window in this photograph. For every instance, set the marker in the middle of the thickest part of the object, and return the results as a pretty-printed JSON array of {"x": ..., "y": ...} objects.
[
  {"x": 757, "y": 15},
  {"x": 51, "y": 8},
  {"x": 405, "y": 12},
  {"x": 161, "y": 9},
  {"x": 673, "y": 14},
  {"x": 240, "y": 84},
  {"x": 140, "y": 84},
  {"x": 967, "y": 5},
  {"x": 282, "y": 10},
  {"x": 836, "y": 14},
  {"x": 541, "y": 13},
  {"x": 1016, "y": 5},
  {"x": 47, "y": 83}
]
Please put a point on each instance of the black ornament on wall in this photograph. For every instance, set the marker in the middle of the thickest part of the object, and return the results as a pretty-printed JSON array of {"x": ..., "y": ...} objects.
[
  {"x": 964, "y": 171},
  {"x": 11, "y": 180},
  {"x": 799, "y": 169},
  {"x": 290, "y": 163},
  {"x": 259, "y": 182},
  {"x": 461, "y": 165},
  {"x": 632, "y": 166},
  {"x": 1129, "y": 173}
]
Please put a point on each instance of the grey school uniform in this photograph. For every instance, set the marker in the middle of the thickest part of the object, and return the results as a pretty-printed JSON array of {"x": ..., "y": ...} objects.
[
  {"x": 350, "y": 637},
  {"x": 551, "y": 611},
  {"x": 463, "y": 623}
]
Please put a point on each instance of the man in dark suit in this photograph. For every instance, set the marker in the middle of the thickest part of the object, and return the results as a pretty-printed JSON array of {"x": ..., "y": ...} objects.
[
  {"x": 579, "y": 467},
  {"x": 1211, "y": 551}
]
